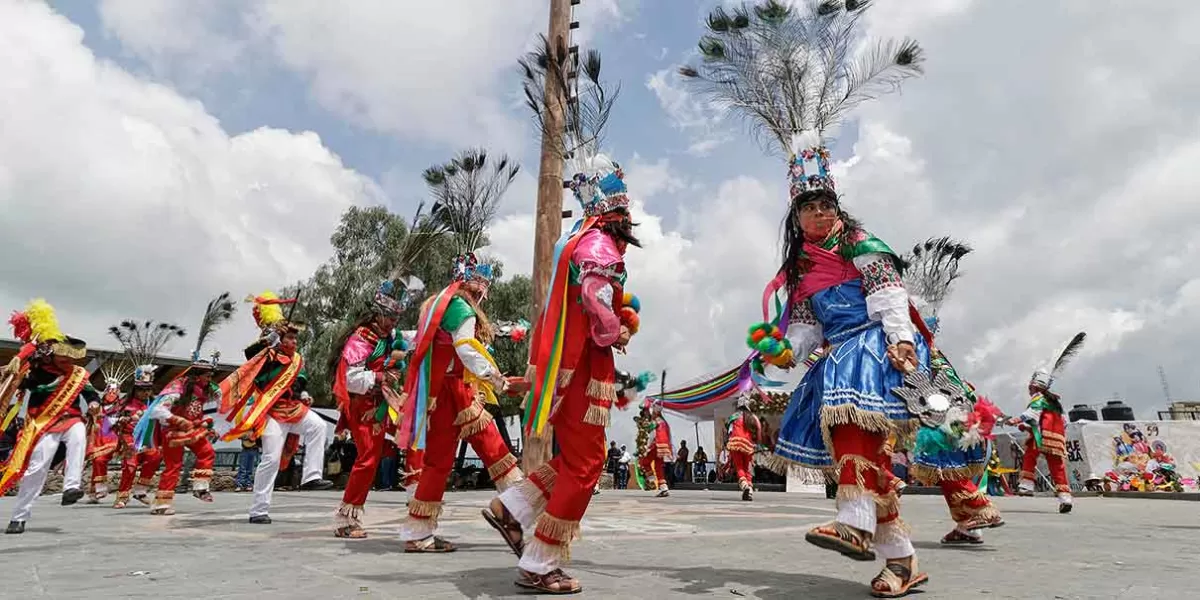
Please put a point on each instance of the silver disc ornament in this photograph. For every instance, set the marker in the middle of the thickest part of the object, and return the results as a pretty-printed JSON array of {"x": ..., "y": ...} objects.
[{"x": 930, "y": 399}]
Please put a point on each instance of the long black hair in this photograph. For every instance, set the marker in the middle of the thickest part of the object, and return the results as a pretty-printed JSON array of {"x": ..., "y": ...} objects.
[
  {"x": 795, "y": 260},
  {"x": 621, "y": 228}
]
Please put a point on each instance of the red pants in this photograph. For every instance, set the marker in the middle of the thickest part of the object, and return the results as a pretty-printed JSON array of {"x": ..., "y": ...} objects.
[
  {"x": 564, "y": 485},
  {"x": 143, "y": 465},
  {"x": 967, "y": 504},
  {"x": 457, "y": 415},
  {"x": 865, "y": 467},
  {"x": 741, "y": 464},
  {"x": 1056, "y": 464},
  {"x": 172, "y": 457},
  {"x": 368, "y": 436}
]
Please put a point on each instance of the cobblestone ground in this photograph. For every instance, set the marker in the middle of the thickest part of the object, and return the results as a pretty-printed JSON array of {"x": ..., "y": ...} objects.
[{"x": 693, "y": 544}]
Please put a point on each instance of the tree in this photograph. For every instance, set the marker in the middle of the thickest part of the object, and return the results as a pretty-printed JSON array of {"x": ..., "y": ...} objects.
[{"x": 508, "y": 303}]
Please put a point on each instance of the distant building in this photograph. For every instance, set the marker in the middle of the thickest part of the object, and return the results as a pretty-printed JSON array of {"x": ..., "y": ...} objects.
[
  {"x": 169, "y": 367},
  {"x": 1181, "y": 411}
]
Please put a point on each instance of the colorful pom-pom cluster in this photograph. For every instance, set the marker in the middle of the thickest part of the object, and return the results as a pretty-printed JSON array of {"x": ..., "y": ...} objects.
[
  {"x": 630, "y": 307},
  {"x": 769, "y": 342}
]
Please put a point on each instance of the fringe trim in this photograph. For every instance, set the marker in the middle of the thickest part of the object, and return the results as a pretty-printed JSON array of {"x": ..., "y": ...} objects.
[
  {"x": 536, "y": 488},
  {"x": 564, "y": 377},
  {"x": 1062, "y": 488},
  {"x": 166, "y": 495},
  {"x": 740, "y": 445},
  {"x": 934, "y": 475},
  {"x": 123, "y": 496},
  {"x": 472, "y": 420},
  {"x": 596, "y": 415},
  {"x": 503, "y": 468},
  {"x": 601, "y": 390},
  {"x": 202, "y": 474},
  {"x": 774, "y": 463},
  {"x": 425, "y": 509},
  {"x": 100, "y": 479},
  {"x": 509, "y": 479},
  {"x": 547, "y": 552},
  {"x": 560, "y": 531},
  {"x": 143, "y": 481},
  {"x": 349, "y": 514}
]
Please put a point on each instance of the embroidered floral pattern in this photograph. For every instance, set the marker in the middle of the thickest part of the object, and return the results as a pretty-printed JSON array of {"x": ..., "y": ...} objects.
[
  {"x": 880, "y": 274},
  {"x": 802, "y": 314}
]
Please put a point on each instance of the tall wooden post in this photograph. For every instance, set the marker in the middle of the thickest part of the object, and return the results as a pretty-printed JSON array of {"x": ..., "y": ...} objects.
[{"x": 536, "y": 451}]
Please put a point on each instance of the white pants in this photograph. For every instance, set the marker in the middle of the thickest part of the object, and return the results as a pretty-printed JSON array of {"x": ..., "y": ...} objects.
[
  {"x": 39, "y": 467},
  {"x": 892, "y": 540},
  {"x": 311, "y": 430}
]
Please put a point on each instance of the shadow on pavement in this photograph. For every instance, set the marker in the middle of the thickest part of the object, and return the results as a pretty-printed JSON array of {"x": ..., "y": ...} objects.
[{"x": 498, "y": 582}]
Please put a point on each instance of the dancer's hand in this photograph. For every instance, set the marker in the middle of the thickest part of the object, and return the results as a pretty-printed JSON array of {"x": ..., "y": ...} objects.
[
  {"x": 903, "y": 356},
  {"x": 623, "y": 338},
  {"x": 394, "y": 399}
]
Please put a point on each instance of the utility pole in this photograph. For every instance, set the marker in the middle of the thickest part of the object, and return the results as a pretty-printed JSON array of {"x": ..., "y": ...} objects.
[{"x": 548, "y": 224}]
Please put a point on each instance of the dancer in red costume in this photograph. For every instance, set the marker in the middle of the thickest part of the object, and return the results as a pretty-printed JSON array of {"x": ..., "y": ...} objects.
[
  {"x": 1047, "y": 428},
  {"x": 45, "y": 373},
  {"x": 175, "y": 420},
  {"x": 449, "y": 362},
  {"x": 101, "y": 419},
  {"x": 137, "y": 468},
  {"x": 658, "y": 453},
  {"x": 367, "y": 377},
  {"x": 573, "y": 377},
  {"x": 744, "y": 429}
]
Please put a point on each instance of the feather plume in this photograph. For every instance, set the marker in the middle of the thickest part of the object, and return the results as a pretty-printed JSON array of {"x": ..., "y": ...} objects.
[
  {"x": 556, "y": 82},
  {"x": 20, "y": 326},
  {"x": 218, "y": 312},
  {"x": 43, "y": 323},
  {"x": 467, "y": 193},
  {"x": 788, "y": 68},
  {"x": 115, "y": 368},
  {"x": 266, "y": 309},
  {"x": 143, "y": 340},
  {"x": 1068, "y": 353},
  {"x": 931, "y": 270}
]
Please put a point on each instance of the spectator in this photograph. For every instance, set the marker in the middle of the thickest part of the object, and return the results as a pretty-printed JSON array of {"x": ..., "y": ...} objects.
[
  {"x": 681, "y": 462},
  {"x": 613, "y": 456},
  {"x": 247, "y": 463},
  {"x": 387, "y": 465},
  {"x": 700, "y": 467},
  {"x": 622, "y": 475}
]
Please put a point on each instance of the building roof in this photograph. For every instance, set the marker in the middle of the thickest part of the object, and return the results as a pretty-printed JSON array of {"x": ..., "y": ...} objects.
[{"x": 169, "y": 367}]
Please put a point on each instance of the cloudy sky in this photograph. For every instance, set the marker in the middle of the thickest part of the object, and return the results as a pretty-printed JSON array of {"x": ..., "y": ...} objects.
[{"x": 156, "y": 152}]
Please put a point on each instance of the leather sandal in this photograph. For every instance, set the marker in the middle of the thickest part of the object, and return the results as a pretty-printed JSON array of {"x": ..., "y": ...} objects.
[
  {"x": 841, "y": 538},
  {"x": 507, "y": 525},
  {"x": 431, "y": 544},
  {"x": 960, "y": 538},
  {"x": 353, "y": 532},
  {"x": 554, "y": 583},
  {"x": 896, "y": 580}
]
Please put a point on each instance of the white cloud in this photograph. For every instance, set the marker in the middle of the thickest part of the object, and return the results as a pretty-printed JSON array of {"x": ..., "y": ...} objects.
[
  {"x": 694, "y": 116},
  {"x": 124, "y": 199}
]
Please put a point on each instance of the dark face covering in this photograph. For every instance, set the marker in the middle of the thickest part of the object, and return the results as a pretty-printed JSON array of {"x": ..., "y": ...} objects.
[{"x": 619, "y": 225}]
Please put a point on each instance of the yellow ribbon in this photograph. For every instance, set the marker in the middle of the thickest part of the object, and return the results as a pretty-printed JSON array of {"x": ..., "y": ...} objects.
[{"x": 489, "y": 392}]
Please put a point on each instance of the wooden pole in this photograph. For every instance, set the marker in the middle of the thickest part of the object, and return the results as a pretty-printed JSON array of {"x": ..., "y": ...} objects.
[{"x": 548, "y": 226}]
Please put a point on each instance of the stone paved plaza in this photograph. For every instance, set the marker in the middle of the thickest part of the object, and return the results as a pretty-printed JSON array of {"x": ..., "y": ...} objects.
[{"x": 693, "y": 544}]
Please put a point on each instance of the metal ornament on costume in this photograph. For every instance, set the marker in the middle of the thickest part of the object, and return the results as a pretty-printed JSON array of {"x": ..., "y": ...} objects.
[
  {"x": 600, "y": 187},
  {"x": 930, "y": 400},
  {"x": 390, "y": 299},
  {"x": 808, "y": 169},
  {"x": 143, "y": 375}
]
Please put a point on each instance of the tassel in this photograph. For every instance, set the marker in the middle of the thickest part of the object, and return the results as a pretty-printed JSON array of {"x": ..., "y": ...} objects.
[
  {"x": 601, "y": 390},
  {"x": 559, "y": 530},
  {"x": 596, "y": 415}
]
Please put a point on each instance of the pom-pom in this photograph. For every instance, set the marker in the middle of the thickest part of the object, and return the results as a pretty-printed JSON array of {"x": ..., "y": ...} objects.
[
  {"x": 631, "y": 301},
  {"x": 518, "y": 334},
  {"x": 630, "y": 319},
  {"x": 43, "y": 322},
  {"x": 770, "y": 343},
  {"x": 267, "y": 311},
  {"x": 20, "y": 326}
]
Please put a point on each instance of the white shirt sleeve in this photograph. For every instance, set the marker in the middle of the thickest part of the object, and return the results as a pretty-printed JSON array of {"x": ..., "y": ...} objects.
[
  {"x": 162, "y": 411},
  {"x": 471, "y": 359},
  {"x": 359, "y": 379},
  {"x": 804, "y": 332},
  {"x": 887, "y": 300}
]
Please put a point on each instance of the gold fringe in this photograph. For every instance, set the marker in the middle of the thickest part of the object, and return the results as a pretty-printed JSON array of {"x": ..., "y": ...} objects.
[
  {"x": 424, "y": 509},
  {"x": 472, "y": 420},
  {"x": 564, "y": 377},
  {"x": 502, "y": 467},
  {"x": 601, "y": 390},
  {"x": 740, "y": 445},
  {"x": 934, "y": 475},
  {"x": 100, "y": 479},
  {"x": 167, "y": 495},
  {"x": 596, "y": 415},
  {"x": 351, "y": 511},
  {"x": 123, "y": 496},
  {"x": 1062, "y": 488},
  {"x": 509, "y": 479},
  {"x": 559, "y": 530},
  {"x": 143, "y": 481},
  {"x": 547, "y": 475},
  {"x": 202, "y": 474},
  {"x": 774, "y": 463},
  {"x": 534, "y": 495}
]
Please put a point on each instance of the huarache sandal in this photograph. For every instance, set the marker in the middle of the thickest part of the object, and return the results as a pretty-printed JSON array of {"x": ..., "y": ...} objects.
[
  {"x": 960, "y": 538},
  {"x": 353, "y": 532},
  {"x": 162, "y": 511},
  {"x": 992, "y": 523},
  {"x": 203, "y": 496},
  {"x": 554, "y": 583},
  {"x": 507, "y": 525},
  {"x": 896, "y": 581},
  {"x": 431, "y": 544},
  {"x": 841, "y": 538}
]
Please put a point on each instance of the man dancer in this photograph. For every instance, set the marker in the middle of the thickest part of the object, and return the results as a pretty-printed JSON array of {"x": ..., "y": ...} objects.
[
  {"x": 45, "y": 371},
  {"x": 658, "y": 453},
  {"x": 365, "y": 371},
  {"x": 450, "y": 361},
  {"x": 176, "y": 418},
  {"x": 573, "y": 371},
  {"x": 134, "y": 464},
  {"x": 743, "y": 430},
  {"x": 102, "y": 440},
  {"x": 263, "y": 398},
  {"x": 1047, "y": 428}
]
